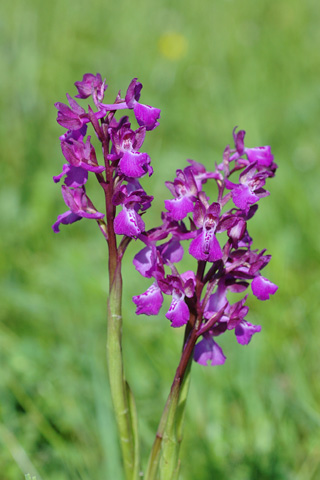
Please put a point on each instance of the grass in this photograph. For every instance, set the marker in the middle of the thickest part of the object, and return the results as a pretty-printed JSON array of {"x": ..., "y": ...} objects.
[{"x": 252, "y": 64}]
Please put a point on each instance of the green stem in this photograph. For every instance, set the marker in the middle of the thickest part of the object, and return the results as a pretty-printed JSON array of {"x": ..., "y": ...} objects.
[
  {"x": 152, "y": 468},
  {"x": 118, "y": 385},
  {"x": 172, "y": 437},
  {"x": 166, "y": 445},
  {"x": 169, "y": 447}
]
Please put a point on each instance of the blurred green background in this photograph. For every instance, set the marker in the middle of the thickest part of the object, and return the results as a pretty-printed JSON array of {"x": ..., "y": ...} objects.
[{"x": 209, "y": 65}]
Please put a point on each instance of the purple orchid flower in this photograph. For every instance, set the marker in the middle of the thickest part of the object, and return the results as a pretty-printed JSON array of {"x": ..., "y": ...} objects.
[
  {"x": 206, "y": 246},
  {"x": 80, "y": 154},
  {"x": 133, "y": 198},
  {"x": 80, "y": 207},
  {"x": 250, "y": 189},
  {"x": 207, "y": 351},
  {"x": 91, "y": 85},
  {"x": 73, "y": 117},
  {"x": 147, "y": 261},
  {"x": 244, "y": 331},
  {"x": 128, "y": 221},
  {"x": 126, "y": 144},
  {"x": 232, "y": 268},
  {"x": 150, "y": 263},
  {"x": 261, "y": 156},
  {"x": 146, "y": 116},
  {"x": 231, "y": 316},
  {"x": 184, "y": 189},
  {"x": 180, "y": 287}
]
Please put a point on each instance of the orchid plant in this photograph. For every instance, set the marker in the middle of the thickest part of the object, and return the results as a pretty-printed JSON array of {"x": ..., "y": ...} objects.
[{"x": 199, "y": 298}]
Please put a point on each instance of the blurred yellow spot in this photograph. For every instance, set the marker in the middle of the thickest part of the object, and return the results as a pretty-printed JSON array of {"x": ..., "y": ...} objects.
[{"x": 173, "y": 45}]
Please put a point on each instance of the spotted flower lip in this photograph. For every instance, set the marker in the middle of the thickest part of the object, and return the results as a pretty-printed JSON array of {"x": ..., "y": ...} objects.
[
  {"x": 206, "y": 246},
  {"x": 124, "y": 139},
  {"x": 128, "y": 221},
  {"x": 179, "y": 287},
  {"x": 126, "y": 145},
  {"x": 149, "y": 302}
]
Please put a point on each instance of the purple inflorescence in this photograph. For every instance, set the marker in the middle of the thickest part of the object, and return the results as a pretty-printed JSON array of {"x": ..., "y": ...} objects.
[
  {"x": 121, "y": 154},
  {"x": 202, "y": 298},
  {"x": 198, "y": 300}
]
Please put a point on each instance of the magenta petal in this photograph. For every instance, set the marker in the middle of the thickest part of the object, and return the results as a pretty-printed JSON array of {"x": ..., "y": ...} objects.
[
  {"x": 262, "y": 288},
  {"x": 243, "y": 197},
  {"x": 178, "y": 312},
  {"x": 76, "y": 108},
  {"x": 239, "y": 140},
  {"x": 195, "y": 248},
  {"x": 129, "y": 223},
  {"x": 215, "y": 250},
  {"x": 171, "y": 251},
  {"x": 145, "y": 261},
  {"x": 132, "y": 163},
  {"x": 216, "y": 301},
  {"x": 149, "y": 302},
  {"x": 146, "y": 116},
  {"x": 76, "y": 177},
  {"x": 206, "y": 247},
  {"x": 208, "y": 351},
  {"x": 238, "y": 230},
  {"x": 65, "y": 218},
  {"x": 261, "y": 155},
  {"x": 92, "y": 168},
  {"x": 244, "y": 331},
  {"x": 65, "y": 170},
  {"x": 70, "y": 121},
  {"x": 90, "y": 83},
  {"x": 179, "y": 208},
  {"x": 91, "y": 214},
  {"x": 133, "y": 92}
]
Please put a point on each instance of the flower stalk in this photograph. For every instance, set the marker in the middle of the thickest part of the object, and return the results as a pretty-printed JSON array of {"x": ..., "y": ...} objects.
[{"x": 118, "y": 385}]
